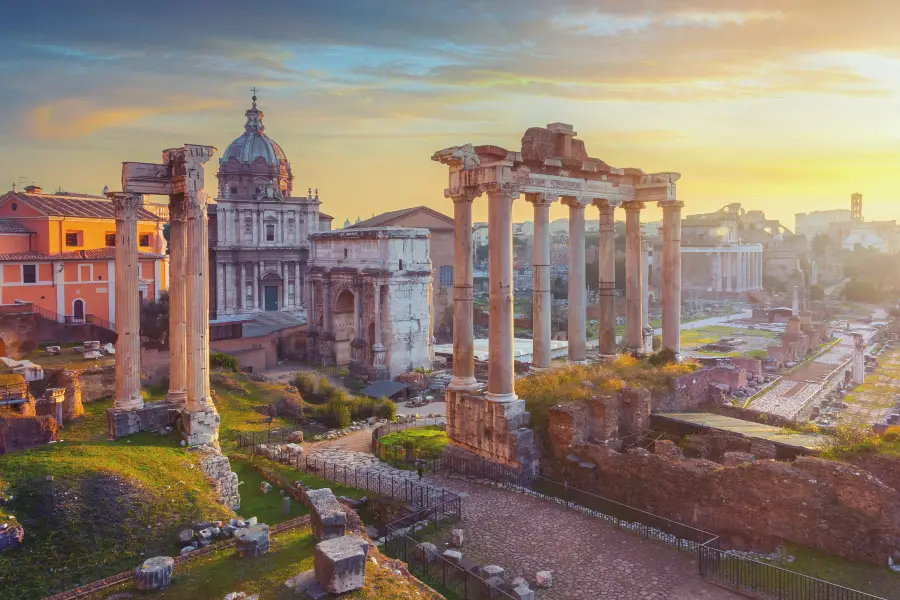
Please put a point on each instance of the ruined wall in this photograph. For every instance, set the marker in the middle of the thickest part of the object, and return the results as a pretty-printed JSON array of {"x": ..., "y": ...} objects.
[
  {"x": 18, "y": 334},
  {"x": 218, "y": 468},
  {"x": 492, "y": 430},
  {"x": 830, "y": 506},
  {"x": 605, "y": 419},
  {"x": 18, "y": 431}
]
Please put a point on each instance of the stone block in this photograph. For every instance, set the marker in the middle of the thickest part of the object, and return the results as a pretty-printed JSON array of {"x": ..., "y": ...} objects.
[
  {"x": 186, "y": 550},
  {"x": 155, "y": 573},
  {"x": 329, "y": 520},
  {"x": 340, "y": 564},
  {"x": 11, "y": 535},
  {"x": 734, "y": 459},
  {"x": 457, "y": 537},
  {"x": 493, "y": 571},
  {"x": 153, "y": 416},
  {"x": 543, "y": 579},
  {"x": 522, "y": 592},
  {"x": 252, "y": 540},
  {"x": 201, "y": 428},
  {"x": 453, "y": 556},
  {"x": 427, "y": 552}
]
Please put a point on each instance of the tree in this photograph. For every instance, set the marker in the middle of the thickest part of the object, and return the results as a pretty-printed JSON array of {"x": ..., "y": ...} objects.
[
  {"x": 481, "y": 253},
  {"x": 559, "y": 288},
  {"x": 821, "y": 244},
  {"x": 155, "y": 320}
]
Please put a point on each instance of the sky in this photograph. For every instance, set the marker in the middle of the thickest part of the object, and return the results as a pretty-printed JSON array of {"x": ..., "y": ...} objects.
[{"x": 785, "y": 106}]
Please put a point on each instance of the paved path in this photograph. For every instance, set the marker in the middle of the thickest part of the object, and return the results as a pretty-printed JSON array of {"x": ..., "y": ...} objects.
[{"x": 590, "y": 559}]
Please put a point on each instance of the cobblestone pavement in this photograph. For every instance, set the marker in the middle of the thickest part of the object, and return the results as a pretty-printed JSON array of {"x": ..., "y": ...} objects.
[
  {"x": 361, "y": 460},
  {"x": 590, "y": 559}
]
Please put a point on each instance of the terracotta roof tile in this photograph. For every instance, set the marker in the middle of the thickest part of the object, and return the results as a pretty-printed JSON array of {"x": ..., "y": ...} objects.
[
  {"x": 12, "y": 226},
  {"x": 90, "y": 207},
  {"x": 95, "y": 254}
]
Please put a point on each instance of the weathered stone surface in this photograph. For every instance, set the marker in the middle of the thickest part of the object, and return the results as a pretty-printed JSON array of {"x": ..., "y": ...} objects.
[
  {"x": 11, "y": 535},
  {"x": 185, "y": 536},
  {"x": 296, "y": 437},
  {"x": 155, "y": 573},
  {"x": 522, "y": 592},
  {"x": 668, "y": 449},
  {"x": 457, "y": 537},
  {"x": 252, "y": 540},
  {"x": 150, "y": 417},
  {"x": 18, "y": 431},
  {"x": 510, "y": 442},
  {"x": 734, "y": 459},
  {"x": 218, "y": 468},
  {"x": 186, "y": 550},
  {"x": 328, "y": 517},
  {"x": 340, "y": 564},
  {"x": 543, "y": 579},
  {"x": 453, "y": 555},
  {"x": 428, "y": 552},
  {"x": 240, "y": 596},
  {"x": 493, "y": 571}
]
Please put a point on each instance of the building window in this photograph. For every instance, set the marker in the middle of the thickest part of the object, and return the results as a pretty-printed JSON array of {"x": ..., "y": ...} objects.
[
  {"x": 29, "y": 273},
  {"x": 401, "y": 264},
  {"x": 234, "y": 190},
  {"x": 346, "y": 252},
  {"x": 446, "y": 275},
  {"x": 144, "y": 240},
  {"x": 110, "y": 240},
  {"x": 270, "y": 232},
  {"x": 72, "y": 238}
]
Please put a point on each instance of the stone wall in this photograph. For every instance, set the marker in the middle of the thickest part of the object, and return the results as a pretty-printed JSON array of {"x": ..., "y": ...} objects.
[
  {"x": 218, "y": 468},
  {"x": 605, "y": 419},
  {"x": 18, "y": 431},
  {"x": 492, "y": 430},
  {"x": 18, "y": 334},
  {"x": 830, "y": 506}
]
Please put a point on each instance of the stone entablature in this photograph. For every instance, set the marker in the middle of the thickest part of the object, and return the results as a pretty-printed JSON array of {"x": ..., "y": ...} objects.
[{"x": 369, "y": 300}]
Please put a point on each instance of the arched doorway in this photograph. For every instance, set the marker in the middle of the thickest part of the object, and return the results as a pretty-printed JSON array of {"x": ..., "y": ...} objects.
[
  {"x": 344, "y": 327},
  {"x": 271, "y": 291},
  {"x": 78, "y": 310}
]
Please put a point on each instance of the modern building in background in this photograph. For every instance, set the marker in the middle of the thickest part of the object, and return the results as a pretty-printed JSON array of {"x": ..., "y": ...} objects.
[{"x": 57, "y": 251}]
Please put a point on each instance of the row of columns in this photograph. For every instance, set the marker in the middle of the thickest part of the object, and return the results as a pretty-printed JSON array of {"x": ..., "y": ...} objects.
[
  {"x": 737, "y": 270},
  {"x": 233, "y": 278},
  {"x": 500, "y": 353},
  {"x": 189, "y": 388}
]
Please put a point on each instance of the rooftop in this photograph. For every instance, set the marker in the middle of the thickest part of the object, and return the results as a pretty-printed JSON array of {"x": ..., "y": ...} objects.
[
  {"x": 95, "y": 254},
  {"x": 13, "y": 226},
  {"x": 70, "y": 205},
  {"x": 391, "y": 217}
]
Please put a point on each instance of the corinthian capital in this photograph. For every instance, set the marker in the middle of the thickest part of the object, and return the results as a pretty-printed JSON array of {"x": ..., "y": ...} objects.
[
  {"x": 541, "y": 198},
  {"x": 127, "y": 205},
  {"x": 496, "y": 189},
  {"x": 195, "y": 204}
]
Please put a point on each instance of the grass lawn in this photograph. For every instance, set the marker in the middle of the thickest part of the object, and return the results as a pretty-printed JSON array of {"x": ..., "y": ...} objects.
[
  {"x": 692, "y": 338},
  {"x": 254, "y": 503},
  {"x": 212, "y": 576},
  {"x": 429, "y": 441},
  {"x": 241, "y": 404},
  {"x": 93, "y": 508}
]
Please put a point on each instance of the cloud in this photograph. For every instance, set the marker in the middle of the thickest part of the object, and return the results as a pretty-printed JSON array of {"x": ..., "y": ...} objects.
[{"x": 73, "y": 118}]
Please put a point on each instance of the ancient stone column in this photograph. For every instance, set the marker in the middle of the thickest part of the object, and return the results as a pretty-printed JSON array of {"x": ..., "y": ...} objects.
[
  {"x": 312, "y": 335},
  {"x": 542, "y": 300},
  {"x": 607, "y": 293},
  {"x": 671, "y": 275},
  {"x": 463, "y": 332},
  {"x": 200, "y": 418},
  {"x": 177, "y": 394},
  {"x": 577, "y": 313},
  {"x": 326, "y": 336},
  {"x": 633, "y": 333},
  {"x": 500, "y": 272},
  {"x": 379, "y": 363},
  {"x": 128, "y": 306},
  {"x": 220, "y": 287},
  {"x": 284, "y": 285},
  {"x": 729, "y": 272},
  {"x": 858, "y": 364},
  {"x": 646, "y": 331}
]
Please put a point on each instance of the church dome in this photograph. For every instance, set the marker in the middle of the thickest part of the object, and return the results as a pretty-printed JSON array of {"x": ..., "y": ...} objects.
[{"x": 254, "y": 143}]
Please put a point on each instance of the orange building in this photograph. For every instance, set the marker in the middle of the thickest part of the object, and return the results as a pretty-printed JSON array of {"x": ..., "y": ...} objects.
[{"x": 57, "y": 251}]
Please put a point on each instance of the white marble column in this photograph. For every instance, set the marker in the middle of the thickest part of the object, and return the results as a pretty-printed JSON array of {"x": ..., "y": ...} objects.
[
  {"x": 254, "y": 285},
  {"x": 128, "y": 317},
  {"x": 463, "y": 333},
  {"x": 633, "y": 334},
  {"x": 729, "y": 271},
  {"x": 606, "y": 323},
  {"x": 177, "y": 394},
  {"x": 297, "y": 297},
  {"x": 501, "y": 387},
  {"x": 379, "y": 366},
  {"x": 671, "y": 275},
  {"x": 200, "y": 419},
  {"x": 220, "y": 287},
  {"x": 327, "y": 334},
  {"x": 715, "y": 270},
  {"x": 230, "y": 291},
  {"x": 577, "y": 313},
  {"x": 647, "y": 344},
  {"x": 542, "y": 300},
  {"x": 742, "y": 271},
  {"x": 284, "y": 286}
]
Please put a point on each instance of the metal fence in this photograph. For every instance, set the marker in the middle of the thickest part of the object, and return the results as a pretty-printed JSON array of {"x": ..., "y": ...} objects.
[{"x": 768, "y": 581}]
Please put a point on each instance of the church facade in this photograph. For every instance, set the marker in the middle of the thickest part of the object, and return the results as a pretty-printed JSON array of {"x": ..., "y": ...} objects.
[{"x": 259, "y": 230}]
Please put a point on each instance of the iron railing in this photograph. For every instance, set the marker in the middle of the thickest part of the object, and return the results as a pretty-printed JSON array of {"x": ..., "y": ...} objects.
[{"x": 768, "y": 581}]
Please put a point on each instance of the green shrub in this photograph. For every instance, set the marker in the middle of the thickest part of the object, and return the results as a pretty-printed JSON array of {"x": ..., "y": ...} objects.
[
  {"x": 223, "y": 361},
  {"x": 340, "y": 413},
  {"x": 306, "y": 383}
]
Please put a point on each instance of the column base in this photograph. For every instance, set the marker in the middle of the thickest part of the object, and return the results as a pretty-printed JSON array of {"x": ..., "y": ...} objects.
[
  {"x": 157, "y": 415},
  {"x": 463, "y": 383},
  {"x": 501, "y": 398},
  {"x": 537, "y": 370},
  {"x": 201, "y": 428},
  {"x": 569, "y": 361},
  {"x": 177, "y": 397}
]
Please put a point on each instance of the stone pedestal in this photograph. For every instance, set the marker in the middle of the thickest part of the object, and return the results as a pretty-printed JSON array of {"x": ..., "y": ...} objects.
[
  {"x": 496, "y": 431},
  {"x": 155, "y": 573},
  {"x": 201, "y": 427},
  {"x": 150, "y": 417},
  {"x": 252, "y": 540},
  {"x": 340, "y": 564}
]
